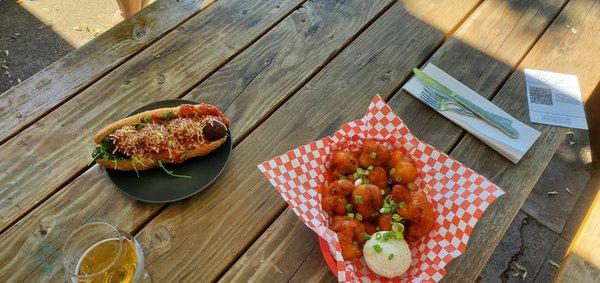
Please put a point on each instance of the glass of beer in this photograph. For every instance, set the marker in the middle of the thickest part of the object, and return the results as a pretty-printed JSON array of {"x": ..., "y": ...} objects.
[{"x": 99, "y": 252}]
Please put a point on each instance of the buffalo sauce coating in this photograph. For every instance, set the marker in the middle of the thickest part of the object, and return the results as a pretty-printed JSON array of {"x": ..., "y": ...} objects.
[{"x": 384, "y": 195}]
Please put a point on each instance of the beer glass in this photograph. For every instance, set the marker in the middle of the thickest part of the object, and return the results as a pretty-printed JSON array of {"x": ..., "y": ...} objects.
[{"x": 99, "y": 252}]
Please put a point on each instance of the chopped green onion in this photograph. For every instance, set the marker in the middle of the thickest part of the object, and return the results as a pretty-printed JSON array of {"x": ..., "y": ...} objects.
[
  {"x": 349, "y": 207},
  {"x": 389, "y": 206},
  {"x": 396, "y": 217},
  {"x": 360, "y": 171},
  {"x": 377, "y": 248},
  {"x": 392, "y": 235},
  {"x": 373, "y": 155},
  {"x": 412, "y": 186},
  {"x": 358, "y": 199},
  {"x": 367, "y": 236},
  {"x": 366, "y": 181},
  {"x": 392, "y": 171},
  {"x": 401, "y": 205},
  {"x": 168, "y": 116},
  {"x": 350, "y": 216},
  {"x": 356, "y": 176},
  {"x": 358, "y": 217},
  {"x": 378, "y": 236},
  {"x": 391, "y": 256},
  {"x": 160, "y": 164},
  {"x": 370, "y": 168},
  {"x": 367, "y": 173}
]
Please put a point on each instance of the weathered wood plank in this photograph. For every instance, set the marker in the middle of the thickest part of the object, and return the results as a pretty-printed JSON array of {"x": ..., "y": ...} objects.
[
  {"x": 584, "y": 202},
  {"x": 586, "y": 242},
  {"x": 466, "y": 57},
  {"x": 208, "y": 232},
  {"x": 312, "y": 270},
  {"x": 560, "y": 49},
  {"x": 53, "y": 150},
  {"x": 570, "y": 161},
  {"x": 269, "y": 262},
  {"x": 299, "y": 33},
  {"x": 269, "y": 73},
  {"x": 36, "y": 96},
  {"x": 576, "y": 269}
]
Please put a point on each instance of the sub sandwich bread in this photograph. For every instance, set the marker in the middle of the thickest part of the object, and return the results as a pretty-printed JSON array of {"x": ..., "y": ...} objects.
[{"x": 165, "y": 135}]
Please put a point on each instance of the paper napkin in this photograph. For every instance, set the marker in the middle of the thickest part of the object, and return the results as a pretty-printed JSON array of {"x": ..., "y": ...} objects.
[{"x": 513, "y": 149}]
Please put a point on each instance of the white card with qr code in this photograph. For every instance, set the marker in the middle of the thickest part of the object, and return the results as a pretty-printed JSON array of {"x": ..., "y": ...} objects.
[{"x": 554, "y": 99}]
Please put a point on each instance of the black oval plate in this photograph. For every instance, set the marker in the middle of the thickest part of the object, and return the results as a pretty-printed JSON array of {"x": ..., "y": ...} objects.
[{"x": 156, "y": 186}]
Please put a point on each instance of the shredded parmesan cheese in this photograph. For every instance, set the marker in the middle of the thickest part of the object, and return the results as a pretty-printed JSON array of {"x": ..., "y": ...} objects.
[{"x": 176, "y": 136}]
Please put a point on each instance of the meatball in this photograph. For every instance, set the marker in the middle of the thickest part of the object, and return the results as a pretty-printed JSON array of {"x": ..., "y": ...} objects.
[
  {"x": 403, "y": 169},
  {"x": 367, "y": 200},
  {"x": 373, "y": 154},
  {"x": 112, "y": 148},
  {"x": 344, "y": 162},
  {"x": 214, "y": 130}
]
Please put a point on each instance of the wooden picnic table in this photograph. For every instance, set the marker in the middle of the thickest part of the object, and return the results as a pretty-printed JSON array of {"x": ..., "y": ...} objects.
[{"x": 286, "y": 72}]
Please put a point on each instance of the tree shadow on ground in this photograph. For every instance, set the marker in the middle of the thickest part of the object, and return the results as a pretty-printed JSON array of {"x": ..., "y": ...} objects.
[{"x": 27, "y": 45}]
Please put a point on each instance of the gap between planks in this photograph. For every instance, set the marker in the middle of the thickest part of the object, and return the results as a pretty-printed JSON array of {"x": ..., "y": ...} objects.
[
  {"x": 316, "y": 70},
  {"x": 502, "y": 82},
  {"x": 98, "y": 76},
  {"x": 84, "y": 169}
]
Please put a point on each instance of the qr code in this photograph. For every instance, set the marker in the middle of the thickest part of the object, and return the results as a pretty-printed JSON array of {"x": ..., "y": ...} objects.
[{"x": 539, "y": 95}]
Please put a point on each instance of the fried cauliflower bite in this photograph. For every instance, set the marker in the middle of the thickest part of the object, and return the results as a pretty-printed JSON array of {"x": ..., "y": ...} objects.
[
  {"x": 344, "y": 162},
  {"x": 351, "y": 234},
  {"x": 384, "y": 223},
  {"x": 334, "y": 196},
  {"x": 334, "y": 205},
  {"x": 417, "y": 210},
  {"x": 367, "y": 200},
  {"x": 370, "y": 227},
  {"x": 378, "y": 177},
  {"x": 341, "y": 187},
  {"x": 403, "y": 169},
  {"x": 373, "y": 153}
]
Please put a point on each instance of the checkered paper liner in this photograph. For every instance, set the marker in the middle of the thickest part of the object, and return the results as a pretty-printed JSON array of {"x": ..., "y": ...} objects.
[{"x": 458, "y": 194}]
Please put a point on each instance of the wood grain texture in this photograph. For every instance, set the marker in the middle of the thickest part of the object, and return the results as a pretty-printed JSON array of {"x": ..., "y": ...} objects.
[
  {"x": 53, "y": 150},
  {"x": 312, "y": 269},
  {"x": 513, "y": 35},
  {"x": 210, "y": 231},
  {"x": 570, "y": 159},
  {"x": 576, "y": 269},
  {"x": 31, "y": 248},
  {"x": 562, "y": 50},
  {"x": 586, "y": 242},
  {"x": 267, "y": 259},
  {"x": 271, "y": 70},
  {"x": 40, "y": 93},
  {"x": 290, "y": 37}
]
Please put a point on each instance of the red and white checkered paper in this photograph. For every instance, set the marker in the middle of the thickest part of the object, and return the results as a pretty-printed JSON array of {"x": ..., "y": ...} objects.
[{"x": 458, "y": 194}]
